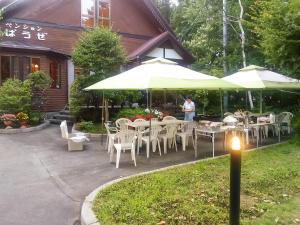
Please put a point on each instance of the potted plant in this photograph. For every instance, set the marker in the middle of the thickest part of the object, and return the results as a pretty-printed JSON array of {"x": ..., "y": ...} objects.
[
  {"x": 8, "y": 120},
  {"x": 23, "y": 119}
]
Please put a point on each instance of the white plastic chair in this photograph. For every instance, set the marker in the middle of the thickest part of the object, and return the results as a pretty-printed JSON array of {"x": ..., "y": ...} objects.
[
  {"x": 111, "y": 132},
  {"x": 286, "y": 121},
  {"x": 75, "y": 140},
  {"x": 153, "y": 139},
  {"x": 154, "y": 119},
  {"x": 126, "y": 141},
  {"x": 121, "y": 124},
  {"x": 187, "y": 132},
  {"x": 169, "y": 118},
  {"x": 169, "y": 137},
  {"x": 139, "y": 131}
]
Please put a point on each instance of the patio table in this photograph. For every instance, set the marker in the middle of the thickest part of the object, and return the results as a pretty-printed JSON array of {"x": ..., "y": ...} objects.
[
  {"x": 213, "y": 131},
  {"x": 155, "y": 123},
  {"x": 144, "y": 124},
  {"x": 258, "y": 126}
]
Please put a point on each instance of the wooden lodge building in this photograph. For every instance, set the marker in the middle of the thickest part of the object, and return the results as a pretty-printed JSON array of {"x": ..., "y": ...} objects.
[{"x": 40, "y": 35}]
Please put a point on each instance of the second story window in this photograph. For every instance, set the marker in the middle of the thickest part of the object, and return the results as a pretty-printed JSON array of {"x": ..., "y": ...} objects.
[
  {"x": 103, "y": 13},
  {"x": 88, "y": 13},
  {"x": 91, "y": 17}
]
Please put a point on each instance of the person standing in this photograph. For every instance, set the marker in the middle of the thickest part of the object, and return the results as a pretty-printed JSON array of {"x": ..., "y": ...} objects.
[{"x": 188, "y": 109}]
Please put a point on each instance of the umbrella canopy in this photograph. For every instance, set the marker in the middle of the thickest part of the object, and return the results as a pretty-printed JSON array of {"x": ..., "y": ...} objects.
[
  {"x": 159, "y": 74},
  {"x": 255, "y": 77}
]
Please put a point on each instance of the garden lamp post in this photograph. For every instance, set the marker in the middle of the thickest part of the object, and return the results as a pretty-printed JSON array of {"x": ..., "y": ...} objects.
[{"x": 235, "y": 180}]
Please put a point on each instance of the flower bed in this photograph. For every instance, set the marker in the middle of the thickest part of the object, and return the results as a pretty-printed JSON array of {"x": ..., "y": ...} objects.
[{"x": 20, "y": 120}]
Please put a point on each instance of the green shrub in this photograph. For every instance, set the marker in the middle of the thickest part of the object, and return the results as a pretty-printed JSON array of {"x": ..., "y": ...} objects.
[
  {"x": 39, "y": 82},
  {"x": 36, "y": 118},
  {"x": 15, "y": 96},
  {"x": 129, "y": 113},
  {"x": 90, "y": 127},
  {"x": 85, "y": 125},
  {"x": 78, "y": 97}
]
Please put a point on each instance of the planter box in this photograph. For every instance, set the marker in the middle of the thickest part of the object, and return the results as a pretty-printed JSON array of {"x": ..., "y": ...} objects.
[{"x": 25, "y": 130}]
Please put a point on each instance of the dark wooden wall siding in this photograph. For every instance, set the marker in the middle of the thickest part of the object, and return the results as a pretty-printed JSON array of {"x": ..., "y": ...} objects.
[
  {"x": 131, "y": 44},
  {"x": 57, "y": 98},
  {"x": 52, "y": 11},
  {"x": 130, "y": 18},
  {"x": 61, "y": 40}
]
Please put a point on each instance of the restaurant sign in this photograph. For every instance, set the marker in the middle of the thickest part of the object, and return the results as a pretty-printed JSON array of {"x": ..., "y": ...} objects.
[{"x": 12, "y": 30}]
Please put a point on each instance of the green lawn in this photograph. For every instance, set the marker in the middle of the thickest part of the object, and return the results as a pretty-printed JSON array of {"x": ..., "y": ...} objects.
[{"x": 199, "y": 194}]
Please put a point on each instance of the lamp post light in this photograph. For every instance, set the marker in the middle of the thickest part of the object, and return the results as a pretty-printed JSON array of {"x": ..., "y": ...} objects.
[{"x": 235, "y": 180}]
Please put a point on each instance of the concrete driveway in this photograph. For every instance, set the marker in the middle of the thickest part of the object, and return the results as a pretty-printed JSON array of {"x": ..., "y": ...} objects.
[{"x": 41, "y": 183}]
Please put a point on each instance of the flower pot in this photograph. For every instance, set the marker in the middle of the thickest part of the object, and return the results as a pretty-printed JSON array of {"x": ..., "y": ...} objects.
[
  {"x": 23, "y": 124},
  {"x": 8, "y": 124}
]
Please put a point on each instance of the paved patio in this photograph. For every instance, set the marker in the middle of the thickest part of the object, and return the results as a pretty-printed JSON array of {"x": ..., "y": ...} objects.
[{"x": 44, "y": 184}]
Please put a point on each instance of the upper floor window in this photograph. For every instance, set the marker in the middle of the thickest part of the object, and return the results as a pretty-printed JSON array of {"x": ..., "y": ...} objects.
[
  {"x": 91, "y": 17},
  {"x": 88, "y": 13},
  {"x": 103, "y": 13}
]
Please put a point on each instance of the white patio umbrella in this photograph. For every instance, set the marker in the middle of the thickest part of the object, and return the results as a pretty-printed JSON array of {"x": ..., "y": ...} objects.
[
  {"x": 255, "y": 77},
  {"x": 161, "y": 74}
]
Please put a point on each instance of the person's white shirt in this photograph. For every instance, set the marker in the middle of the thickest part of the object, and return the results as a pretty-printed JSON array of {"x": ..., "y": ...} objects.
[{"x": 189, "y": 106}]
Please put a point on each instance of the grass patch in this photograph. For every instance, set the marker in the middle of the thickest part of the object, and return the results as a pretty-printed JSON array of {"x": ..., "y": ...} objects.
[{"x": 199, "y": 194}]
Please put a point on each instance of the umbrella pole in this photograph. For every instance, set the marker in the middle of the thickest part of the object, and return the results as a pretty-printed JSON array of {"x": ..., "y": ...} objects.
[
  {"x": 147, "y": 98},
  {"x": 260, "y": 102},
  {"x": 221, "y": 103},
  {"x": 150, "y": 123},
  {"x": 102, "y": 113}
]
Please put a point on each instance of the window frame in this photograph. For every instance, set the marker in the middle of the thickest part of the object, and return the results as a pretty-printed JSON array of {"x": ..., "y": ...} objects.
[
  {"x": 39, "y": 66},
  {"x": 58, "y": 75},
  {"x": 21, "y": 59},
  {"x": 96, "y": 15}
]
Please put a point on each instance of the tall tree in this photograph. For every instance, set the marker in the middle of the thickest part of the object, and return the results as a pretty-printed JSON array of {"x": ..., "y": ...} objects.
[
  {"x": 99, "y": 54},
  {"x": 165, "y": 8},
  {"x": 225, "y": 43},
  {"x": 276, "y": 24}
]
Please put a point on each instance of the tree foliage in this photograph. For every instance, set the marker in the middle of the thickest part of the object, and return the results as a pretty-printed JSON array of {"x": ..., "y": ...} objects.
[
  {"x": 272, "y": 30},
  {"x": 99, "y": 52},
  {"x": 199, "y": 26},
  {"x": 165, "y": 7},
  {"x": 276, "y": 24}
]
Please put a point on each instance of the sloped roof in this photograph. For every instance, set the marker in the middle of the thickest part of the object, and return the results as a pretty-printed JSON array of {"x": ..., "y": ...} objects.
[
  {"x": 144, "y": 49},
  {"x": 157, "y": 15},
  {"x": 9, "y": 5},
  {"x": 21, "y": 45}
]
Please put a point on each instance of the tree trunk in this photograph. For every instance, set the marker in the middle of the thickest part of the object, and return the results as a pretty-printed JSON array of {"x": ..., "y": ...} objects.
[
  {"x": 225, "y": 42},
  {"x": 243, "y": 46}
]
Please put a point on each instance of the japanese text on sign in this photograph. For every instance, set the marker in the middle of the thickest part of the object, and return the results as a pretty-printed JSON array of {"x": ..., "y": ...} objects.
[{"x": 25, "y": 31}]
